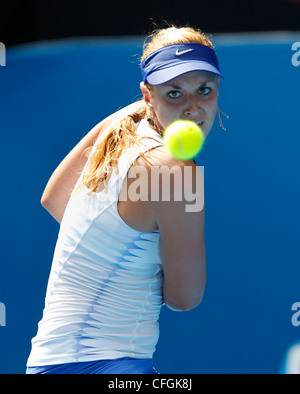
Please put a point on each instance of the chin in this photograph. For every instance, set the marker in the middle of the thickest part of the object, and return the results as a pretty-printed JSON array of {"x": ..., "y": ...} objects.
[{"x": 206, "y": 131}]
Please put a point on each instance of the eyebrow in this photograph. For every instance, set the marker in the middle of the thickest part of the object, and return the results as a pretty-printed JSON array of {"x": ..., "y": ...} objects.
[
  {"x": 178, "y": 87},
  {"x": 172, "y": 86}
]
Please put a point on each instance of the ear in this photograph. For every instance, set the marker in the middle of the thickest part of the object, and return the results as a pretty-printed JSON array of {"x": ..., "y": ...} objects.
[{"x": 145, "y": 92}]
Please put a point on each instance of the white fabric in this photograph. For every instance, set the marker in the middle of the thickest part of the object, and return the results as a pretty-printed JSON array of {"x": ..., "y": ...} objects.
[{"x": 105, "y": 287}]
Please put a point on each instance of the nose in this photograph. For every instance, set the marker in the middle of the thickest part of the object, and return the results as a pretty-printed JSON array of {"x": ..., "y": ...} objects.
[{"x": 193, "y": 107}]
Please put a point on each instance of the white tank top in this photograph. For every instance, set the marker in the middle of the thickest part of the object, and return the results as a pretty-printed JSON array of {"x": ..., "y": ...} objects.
[{"x": 105, "y": 287}]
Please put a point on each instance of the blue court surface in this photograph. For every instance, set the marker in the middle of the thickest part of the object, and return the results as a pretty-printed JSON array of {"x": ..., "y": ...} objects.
[{"x": 53, "y": 93}]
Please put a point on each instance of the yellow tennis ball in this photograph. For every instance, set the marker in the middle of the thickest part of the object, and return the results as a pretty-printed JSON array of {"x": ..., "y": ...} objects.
[{"x": 183, "y": 139}]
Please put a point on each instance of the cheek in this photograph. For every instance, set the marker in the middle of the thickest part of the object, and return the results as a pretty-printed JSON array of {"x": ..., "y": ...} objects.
[
  {"x": 211, "y": 106},
  {"x": 165, "y": 113},
  {"x": 214, "y": 109}
]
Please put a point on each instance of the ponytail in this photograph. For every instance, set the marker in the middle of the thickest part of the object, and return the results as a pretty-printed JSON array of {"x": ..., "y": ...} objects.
[{"x": 121, "y": 137}]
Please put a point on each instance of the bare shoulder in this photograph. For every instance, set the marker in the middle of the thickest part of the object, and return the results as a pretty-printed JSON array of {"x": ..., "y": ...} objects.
[
  {"x": 161, "y": 156},
  {"x": 173, "y": 181},
  {"x": 119, "y": 115},
  {"x": 101, "y": 129},
  {"x": 107, "y": 123}
]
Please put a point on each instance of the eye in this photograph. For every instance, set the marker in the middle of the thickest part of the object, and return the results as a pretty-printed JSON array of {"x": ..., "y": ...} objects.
[
  {"x": 174, "y": 94},
  {"x": 205, "y": 90}
]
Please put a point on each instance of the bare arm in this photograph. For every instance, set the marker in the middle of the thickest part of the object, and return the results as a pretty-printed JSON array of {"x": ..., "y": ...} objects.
[
  {"x": 183, "y": 245},
  {"x": 61, "y": 183}
]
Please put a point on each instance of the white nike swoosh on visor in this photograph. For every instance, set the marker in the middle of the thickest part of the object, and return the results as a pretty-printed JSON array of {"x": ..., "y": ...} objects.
[{"x": 182, "y": 52}]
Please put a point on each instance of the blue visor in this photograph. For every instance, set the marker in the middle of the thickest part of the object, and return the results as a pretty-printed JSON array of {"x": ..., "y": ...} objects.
[{"x": 171, "y": 61}]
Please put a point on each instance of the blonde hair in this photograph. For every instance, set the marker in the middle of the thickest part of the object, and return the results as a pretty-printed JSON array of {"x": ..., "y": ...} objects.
[
  {"x": 173, "y": 35},
  {"x": 122, "y": 136}
]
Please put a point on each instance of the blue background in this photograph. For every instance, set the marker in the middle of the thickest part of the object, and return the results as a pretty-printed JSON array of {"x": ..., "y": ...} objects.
[{"x": 53, "y": 93}]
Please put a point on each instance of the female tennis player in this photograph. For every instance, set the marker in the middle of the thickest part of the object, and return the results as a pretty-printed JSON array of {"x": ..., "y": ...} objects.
[{"x": 118, "y": 260}]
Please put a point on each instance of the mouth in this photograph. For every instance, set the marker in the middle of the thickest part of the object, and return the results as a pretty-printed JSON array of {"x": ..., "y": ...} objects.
[{"x": 199, "y": 122}]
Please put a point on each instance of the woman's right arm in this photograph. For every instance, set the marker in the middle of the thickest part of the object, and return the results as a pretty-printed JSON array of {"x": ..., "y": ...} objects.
[
  {"x": 61, "y": 183},
  {"x": 182, "y": 243}
]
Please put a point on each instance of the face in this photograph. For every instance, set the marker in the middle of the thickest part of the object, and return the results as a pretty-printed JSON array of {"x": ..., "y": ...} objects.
[{"x": 191, "y": 96}]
